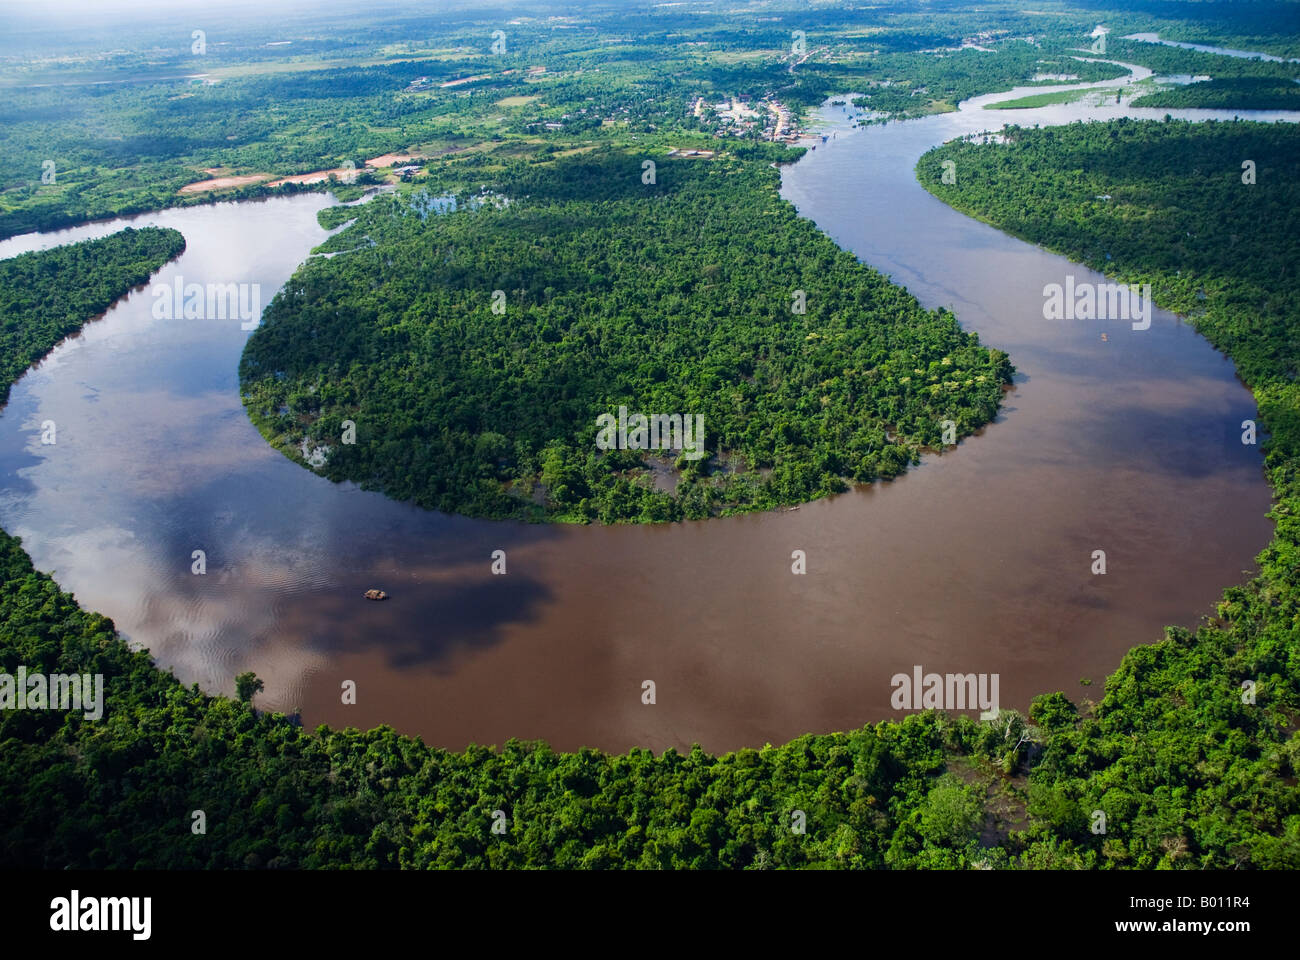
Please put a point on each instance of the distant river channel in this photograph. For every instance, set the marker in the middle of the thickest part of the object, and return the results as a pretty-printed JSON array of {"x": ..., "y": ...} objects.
[{"x": 977, "y": 561}]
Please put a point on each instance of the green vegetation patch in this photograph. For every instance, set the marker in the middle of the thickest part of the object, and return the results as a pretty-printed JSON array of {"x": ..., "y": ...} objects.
[
  {"x": 1047, "y": 99},
  {"x": 331, "y": 218},
  {"x": 1228, "y": 93}
]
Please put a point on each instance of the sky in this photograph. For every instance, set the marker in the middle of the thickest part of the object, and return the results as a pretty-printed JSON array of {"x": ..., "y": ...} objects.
[
  {"x": 44, "y": 21},
  {"x": 110, "y": 10}
]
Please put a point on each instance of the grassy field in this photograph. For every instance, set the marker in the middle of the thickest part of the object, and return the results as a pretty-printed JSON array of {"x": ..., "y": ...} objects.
[{"x": 1047, "y": 99}]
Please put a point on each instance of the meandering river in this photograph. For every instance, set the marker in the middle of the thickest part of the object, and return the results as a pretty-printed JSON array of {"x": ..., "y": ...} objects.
[{"x": 978, "y": 560}]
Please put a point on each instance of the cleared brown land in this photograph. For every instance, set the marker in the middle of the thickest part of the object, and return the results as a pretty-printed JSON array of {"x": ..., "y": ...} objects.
[
  {"x": 317, "y": 177},
  {"x": 224, "y": 183},
  {"x": 388, "y": 159},
  {"x": 457, "y": 83}
]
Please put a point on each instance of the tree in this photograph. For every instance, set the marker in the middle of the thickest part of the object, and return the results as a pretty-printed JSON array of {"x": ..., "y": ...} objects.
[
  {"x": 950, "y": 815},
  {"x": 247, "y": 685},
  {"x": 1053, "y": 711}
]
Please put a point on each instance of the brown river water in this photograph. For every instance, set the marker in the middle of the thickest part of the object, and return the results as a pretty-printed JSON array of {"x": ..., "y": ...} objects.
[{"x": 979, "y": 560}]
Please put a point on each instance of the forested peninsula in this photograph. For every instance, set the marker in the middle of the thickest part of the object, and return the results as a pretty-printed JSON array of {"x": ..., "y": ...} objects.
[{"x": 473, "y": 350}]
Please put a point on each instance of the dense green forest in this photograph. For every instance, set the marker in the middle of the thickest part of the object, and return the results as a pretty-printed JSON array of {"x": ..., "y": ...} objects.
[
  {"x": 1231, "y": 93},
  {"x": 40, "y": 303},
  {"x": 674, "y": 297}
]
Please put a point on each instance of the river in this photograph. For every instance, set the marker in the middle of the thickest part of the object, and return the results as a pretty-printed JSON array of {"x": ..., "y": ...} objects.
[{"x": 979, "y": 560}]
